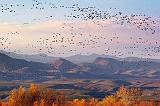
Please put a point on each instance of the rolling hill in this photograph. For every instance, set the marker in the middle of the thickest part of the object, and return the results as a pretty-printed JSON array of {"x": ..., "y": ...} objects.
[{"x": 100, "y": 68}]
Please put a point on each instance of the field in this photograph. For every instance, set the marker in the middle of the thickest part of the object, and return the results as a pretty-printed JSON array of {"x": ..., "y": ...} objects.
[{"x": 87, "y": 88}]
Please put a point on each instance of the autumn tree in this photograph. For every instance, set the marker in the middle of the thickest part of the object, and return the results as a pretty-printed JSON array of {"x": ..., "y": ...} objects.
[
  {"x": 12, "y": 98},
  {"x": 135, "y": 95},
  {"x": 129, "y": 96},
  {"x": 42, "y": 103},
  {"x": 19, "y": 97},
  {"x": 108, "y": 101},
  {"x": 77, "y": 102},
  {"x": 38, "y": 96},
  {"x": 47, "y": 96},
  {"x": 53, "y": 104},
  {"x": 0, "y": 103},
  {"x": 35, "y": 103},
  {"x": 92, "y": 102},
  {"x": 35, "y": 92},
  {"x": 50, "y": 96},
  {"x": 122, "y": 94},
  {"x": 60, "y": 98}
]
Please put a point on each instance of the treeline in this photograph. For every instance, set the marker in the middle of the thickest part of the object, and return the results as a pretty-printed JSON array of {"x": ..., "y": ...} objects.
[{"x": 40, "y": 96}]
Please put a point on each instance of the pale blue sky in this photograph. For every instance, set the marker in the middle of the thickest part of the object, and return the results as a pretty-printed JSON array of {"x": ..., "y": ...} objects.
[{"x": 148, "y": 7}]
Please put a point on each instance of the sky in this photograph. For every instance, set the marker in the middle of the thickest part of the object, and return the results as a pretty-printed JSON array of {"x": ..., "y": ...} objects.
[{"x": 32, "y": 26}]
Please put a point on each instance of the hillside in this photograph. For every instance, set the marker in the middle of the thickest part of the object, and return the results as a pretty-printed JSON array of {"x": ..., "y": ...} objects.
[{"x": 100, "y": 68}]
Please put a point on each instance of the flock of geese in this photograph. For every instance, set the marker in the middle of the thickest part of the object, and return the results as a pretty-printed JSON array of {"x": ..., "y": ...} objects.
[{"x": 73, "y": 42}]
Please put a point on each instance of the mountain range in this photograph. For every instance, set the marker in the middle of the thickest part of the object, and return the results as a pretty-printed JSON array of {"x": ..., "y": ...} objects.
[
  {"x": 93, "y": 67},
  {"x": 77, "y": 59}
]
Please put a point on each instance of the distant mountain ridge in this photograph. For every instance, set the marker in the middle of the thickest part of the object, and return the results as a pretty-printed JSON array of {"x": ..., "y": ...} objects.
[
  {"x": 87, "y": 58},
  {"x": 13, "y": 64},
  {"x": 16, "y": 69},
  {"x": 43, "y": 58},
  {"x": 100, "y": 68},
  {"x": 92, "y": 57},
  {"x": 63, "y": 65}
]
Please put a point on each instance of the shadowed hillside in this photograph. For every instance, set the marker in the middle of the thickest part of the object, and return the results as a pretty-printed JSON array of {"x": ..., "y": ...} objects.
[{"x": 100, "y": 68}]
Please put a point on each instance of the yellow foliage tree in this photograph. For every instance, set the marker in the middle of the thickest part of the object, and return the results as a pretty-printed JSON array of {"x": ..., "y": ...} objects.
[
  {"x": 35, "y": 96},
  {"x": 12, "y": 98},
  {"x": 129, "y": 96},
  {"x": 0, "y": 103},
  {"x": 35, "y": 91},
  {"x": 92, "y": 102},
  {"x": 122, "y": 94},
  {"x": 78, "y": 102},
  {"x": 42, "y": 102},
  {"x": 35, "y": 103},
  {"x": 54, "y": 104}
]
